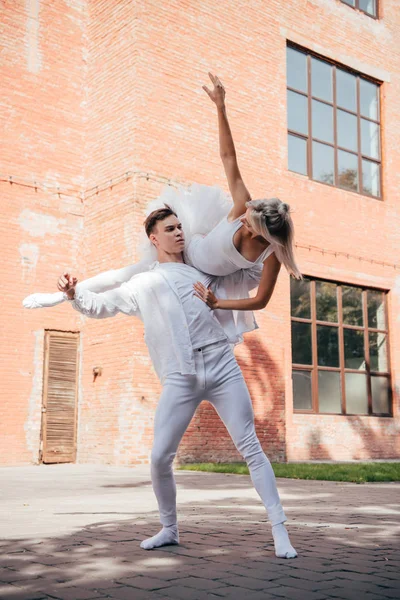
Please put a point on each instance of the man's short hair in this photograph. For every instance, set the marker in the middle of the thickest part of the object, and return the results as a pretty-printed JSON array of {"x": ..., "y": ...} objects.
[{"x": 157, "y": 215}]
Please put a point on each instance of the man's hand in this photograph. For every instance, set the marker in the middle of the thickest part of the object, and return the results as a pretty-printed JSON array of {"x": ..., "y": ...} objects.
[
  {"x": 67, "y": 283},
  {"x": 217, "y": 95},
  {"x": 205, "y": 294}
]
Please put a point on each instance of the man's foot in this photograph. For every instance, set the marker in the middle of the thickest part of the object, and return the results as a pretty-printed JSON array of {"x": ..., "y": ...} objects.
[
  {"x": 283, "y": 547},
  {"x": 166, "y": 537}
]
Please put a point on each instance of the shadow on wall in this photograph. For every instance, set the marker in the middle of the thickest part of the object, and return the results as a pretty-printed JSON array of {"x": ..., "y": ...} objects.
[
  {"x": 207, "y": 440},
  {"x": 376, "y": 441},
  {"x": 316, "y": 449},
  {"x": 362, "y": 437}
]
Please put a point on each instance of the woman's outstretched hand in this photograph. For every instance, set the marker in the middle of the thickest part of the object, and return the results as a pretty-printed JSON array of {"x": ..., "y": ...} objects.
[
  {"x": 205, "y": 294},
  {"x": 217, "y": 95},
  {"x": 66, "y": 284}
]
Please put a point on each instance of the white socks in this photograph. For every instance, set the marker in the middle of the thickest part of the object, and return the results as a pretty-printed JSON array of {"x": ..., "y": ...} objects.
[
  {"x": 170, "y": 536},
  {"x": 167, "y": 536},
  {"x": 283, "y": 547}
]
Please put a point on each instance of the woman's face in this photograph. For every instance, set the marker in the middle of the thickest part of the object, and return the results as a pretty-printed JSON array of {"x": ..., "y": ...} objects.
[{"x": 246, "y": 220}]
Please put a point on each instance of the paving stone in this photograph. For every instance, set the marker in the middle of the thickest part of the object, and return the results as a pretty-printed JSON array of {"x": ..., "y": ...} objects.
[
  {"x": 226, "y": 549},
  {"x": 296, "y": 594},
  {"x": 21, "y": 595},
  {"x": 388, "y": 592},
  {"x": 144, "y": 583},
  {"x": 245, "y": 582},
  {"x": 128, "y": 593},
  {"x": 199, "y": 583},
  {"x": 265, "y": 574},
  {"x": 303, "y": 584},
  {"x": 73, "y": 593},
  {"x": 178, "y": 592},
  {"x": 238, "y": 593}
]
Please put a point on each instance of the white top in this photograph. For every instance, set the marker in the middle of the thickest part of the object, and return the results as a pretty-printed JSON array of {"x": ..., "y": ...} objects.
[
  {"x": 166, "y": 331},
  {"x": 204, "y": 328},
  {"x": 216, "y": 254}
]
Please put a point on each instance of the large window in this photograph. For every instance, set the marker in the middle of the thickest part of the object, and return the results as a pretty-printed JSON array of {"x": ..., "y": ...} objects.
[
  {"x": 369, "y": 7},
  {"x": 333, "y": 124},
  {"x": 339, "y": 349}
]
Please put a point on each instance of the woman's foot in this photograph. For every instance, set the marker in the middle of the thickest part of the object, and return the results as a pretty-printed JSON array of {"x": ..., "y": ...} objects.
[
  {"x": 166, "y": 537},
  {"x": 43, "y": 300},
  {"x": 283, "y": 547}
]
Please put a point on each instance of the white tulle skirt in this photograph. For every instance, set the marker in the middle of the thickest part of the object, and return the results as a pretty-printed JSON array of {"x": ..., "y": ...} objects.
[{"x": 199, "y": 208}]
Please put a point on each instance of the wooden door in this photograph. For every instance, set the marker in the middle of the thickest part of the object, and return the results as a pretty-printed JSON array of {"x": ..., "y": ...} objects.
[{"x": 60, "y": 397}]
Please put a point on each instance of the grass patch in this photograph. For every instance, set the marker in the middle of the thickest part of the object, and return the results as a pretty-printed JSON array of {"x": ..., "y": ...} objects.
[{"x": 354, "y": 472}]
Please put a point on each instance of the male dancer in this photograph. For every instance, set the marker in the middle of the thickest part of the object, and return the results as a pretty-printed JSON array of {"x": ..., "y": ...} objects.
[{"x": 189, "y": 345}]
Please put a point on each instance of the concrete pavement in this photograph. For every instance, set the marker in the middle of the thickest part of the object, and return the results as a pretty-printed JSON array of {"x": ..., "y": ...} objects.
[{"x": 72, "y": 532}]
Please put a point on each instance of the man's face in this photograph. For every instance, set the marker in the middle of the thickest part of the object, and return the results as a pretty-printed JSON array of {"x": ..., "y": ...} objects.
[{"x": 168, "y": 236}]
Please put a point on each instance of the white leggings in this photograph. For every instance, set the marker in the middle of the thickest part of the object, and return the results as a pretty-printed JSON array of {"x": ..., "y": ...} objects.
[{"x": 219, "y": 380}]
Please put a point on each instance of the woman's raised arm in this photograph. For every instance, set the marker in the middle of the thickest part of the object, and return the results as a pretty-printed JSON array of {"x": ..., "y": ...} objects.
[{"x": 239, "y": 192}]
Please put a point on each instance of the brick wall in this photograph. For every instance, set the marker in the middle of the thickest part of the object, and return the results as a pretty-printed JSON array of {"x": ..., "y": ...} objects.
[
  {"x": 115, "y": 93},
  {"x": 41, "y": 221}
]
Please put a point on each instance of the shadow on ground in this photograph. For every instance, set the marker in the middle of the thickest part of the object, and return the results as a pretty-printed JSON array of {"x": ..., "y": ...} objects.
[{"x": 345, "y": 535}]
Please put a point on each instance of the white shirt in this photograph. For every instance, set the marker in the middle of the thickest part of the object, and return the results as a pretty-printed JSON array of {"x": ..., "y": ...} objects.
[
  {"x": 166, "y": 331},
  {"x": 204, "y": 328}
]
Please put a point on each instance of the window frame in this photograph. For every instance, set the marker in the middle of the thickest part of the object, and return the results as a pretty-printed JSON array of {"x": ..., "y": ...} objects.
[
  {"x": 364, "y": 12},
  {"x": 314, "y": 368},
  {"x": 309, "y": 139}
]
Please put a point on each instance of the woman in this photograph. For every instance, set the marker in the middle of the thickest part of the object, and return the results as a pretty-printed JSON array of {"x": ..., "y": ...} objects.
[
  {"x": 248, "y": 240},
  {"x": 254, "y": 232}
]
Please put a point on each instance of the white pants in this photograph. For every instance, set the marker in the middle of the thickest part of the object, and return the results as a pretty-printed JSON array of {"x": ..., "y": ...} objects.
[{"x": 219, "y": 380}]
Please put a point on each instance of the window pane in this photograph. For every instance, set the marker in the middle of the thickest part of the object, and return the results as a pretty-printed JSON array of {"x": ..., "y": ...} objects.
[
  {"x": 368, "y": 6},
  {"x": 371, "y": 178},
  {"x": 350, "y": 2},
  {"x": 329, "y": 393},
  {"x": 380, "y": 395},
  {"x": 322, "y": 162},
  {"x": 354, "y": 349},
  {"x": 326, "y": 301},
  {"x": 352, "y": 306},
  {"x": 346, "y": 90},
  {"x": 322, "y": 121},
  {"x": 356, "y": 393},
  {"x": 321, "y": 79},
  {"x": 377, "y": 351},
  {"x": 297, "y": 154},
  {"x": 302, "y": 390},
  {"x": 300, "y": 303},
  {"x": 296, "y": 69},
  {"x": 369, "y": 99},
  {"x": 347, "y": 130},
  {"x": 327, "y": 346},
  {"x": 347, "y": 170},
  {"x": 369, "y": 138},
  {"x": 376, "y": 310},
  {"x": 301, "y": 343},
  {"x": 297, "y": 112}
]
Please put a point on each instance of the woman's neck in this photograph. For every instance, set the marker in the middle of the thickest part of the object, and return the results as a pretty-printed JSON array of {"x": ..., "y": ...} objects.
[{"x": 247, "y": 234}]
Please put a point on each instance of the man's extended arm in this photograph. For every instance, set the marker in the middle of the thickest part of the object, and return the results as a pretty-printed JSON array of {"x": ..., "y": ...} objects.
[{"x": 98, "y": 306}]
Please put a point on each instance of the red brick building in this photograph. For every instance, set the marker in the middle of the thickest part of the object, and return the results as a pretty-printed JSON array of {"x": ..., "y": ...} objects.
[{"x": 101, "y": 105}]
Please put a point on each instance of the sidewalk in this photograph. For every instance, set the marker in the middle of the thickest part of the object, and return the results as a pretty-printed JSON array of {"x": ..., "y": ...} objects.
[{"x": 72, "y": 532}]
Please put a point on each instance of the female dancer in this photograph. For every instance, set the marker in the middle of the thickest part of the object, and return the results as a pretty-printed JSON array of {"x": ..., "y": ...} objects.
[
  {"x": 247, "y": 240},
  {"x": 253, "y": 232}
]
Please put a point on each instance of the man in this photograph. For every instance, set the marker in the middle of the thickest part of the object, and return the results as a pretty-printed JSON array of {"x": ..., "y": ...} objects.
[{"x": 189, "y": 345}]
